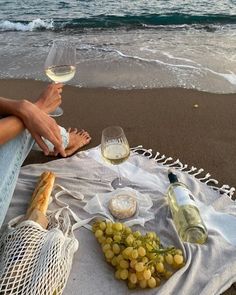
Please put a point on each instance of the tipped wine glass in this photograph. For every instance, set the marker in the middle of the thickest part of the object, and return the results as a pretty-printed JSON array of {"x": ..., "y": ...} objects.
[
  {"x": 115, "y": 150},
  {"x": 60, "y": 65}
]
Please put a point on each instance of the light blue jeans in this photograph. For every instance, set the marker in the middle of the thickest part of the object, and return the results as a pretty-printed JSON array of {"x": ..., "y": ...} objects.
[{"x": 12, "y": 156}]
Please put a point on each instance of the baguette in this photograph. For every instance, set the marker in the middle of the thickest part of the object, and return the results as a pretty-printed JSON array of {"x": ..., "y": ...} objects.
[{"x": 41, "y": 194}]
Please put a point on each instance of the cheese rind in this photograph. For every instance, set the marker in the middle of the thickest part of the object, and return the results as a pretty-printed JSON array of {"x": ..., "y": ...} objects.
[{"x": 122, "y": 206}]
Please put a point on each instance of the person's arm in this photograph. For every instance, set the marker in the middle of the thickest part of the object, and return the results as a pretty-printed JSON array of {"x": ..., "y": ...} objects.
[
  {"x": 10, "y": 127},
  {"x": 34, "y": 117}
]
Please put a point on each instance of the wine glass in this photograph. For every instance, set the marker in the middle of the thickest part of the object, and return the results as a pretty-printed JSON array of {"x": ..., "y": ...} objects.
[
  {"x": 60, "y": 65},
  {"x": 115, "y": 150}
]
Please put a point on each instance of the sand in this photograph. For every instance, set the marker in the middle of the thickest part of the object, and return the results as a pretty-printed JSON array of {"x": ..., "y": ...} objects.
[{"x": 165, "y": 120}]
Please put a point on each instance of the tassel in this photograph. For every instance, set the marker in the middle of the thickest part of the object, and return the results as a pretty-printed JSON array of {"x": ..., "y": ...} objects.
[{"x": 162, "y": 159}]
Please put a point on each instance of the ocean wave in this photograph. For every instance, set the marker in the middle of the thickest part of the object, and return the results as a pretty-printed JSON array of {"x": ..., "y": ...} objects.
[
  {"x": 36, "y": 24},
  {"x": 143, "y": 21},
  {"x": 229, "y": 77}
]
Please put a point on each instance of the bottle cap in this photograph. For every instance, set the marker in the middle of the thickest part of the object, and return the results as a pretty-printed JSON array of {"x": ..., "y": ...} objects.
[{"x": 172, "y": 177}]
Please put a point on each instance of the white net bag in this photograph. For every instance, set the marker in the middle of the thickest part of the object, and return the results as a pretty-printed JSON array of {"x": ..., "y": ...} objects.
[{"x": 35, "y": 261}]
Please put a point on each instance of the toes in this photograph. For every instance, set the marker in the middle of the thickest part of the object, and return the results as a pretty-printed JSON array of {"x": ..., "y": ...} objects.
[{"x": 72, "y": 130}]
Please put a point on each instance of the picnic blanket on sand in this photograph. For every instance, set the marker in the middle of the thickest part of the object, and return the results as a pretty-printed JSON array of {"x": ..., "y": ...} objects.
[{"x": 210, "y": 268}]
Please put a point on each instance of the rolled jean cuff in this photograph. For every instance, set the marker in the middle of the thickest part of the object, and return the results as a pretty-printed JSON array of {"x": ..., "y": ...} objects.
[{"x": 64, "y": 137}]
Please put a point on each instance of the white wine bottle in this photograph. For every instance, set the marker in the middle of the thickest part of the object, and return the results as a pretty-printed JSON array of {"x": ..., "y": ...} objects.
[{"x": 185, "y": 213}]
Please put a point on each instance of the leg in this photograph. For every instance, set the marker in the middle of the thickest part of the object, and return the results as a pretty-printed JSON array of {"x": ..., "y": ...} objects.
[
  {"x": 12, "y": 155},
  {"x": 65, "y": 141},
  {"x": 72, "y": 140}
]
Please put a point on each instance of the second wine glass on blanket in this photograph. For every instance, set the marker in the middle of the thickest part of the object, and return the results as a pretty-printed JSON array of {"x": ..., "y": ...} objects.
[{"x": 115, "y": 150}]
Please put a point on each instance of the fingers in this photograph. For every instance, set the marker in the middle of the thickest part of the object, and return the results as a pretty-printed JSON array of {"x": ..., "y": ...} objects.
[
  {"x": 41, "y": 144},
  {"x": 55, "y": 138},
  {"x": 53, "y": 134}
]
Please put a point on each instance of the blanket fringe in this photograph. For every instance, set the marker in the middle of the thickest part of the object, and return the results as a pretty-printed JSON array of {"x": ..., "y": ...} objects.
[{"x": 169, "y": 162}]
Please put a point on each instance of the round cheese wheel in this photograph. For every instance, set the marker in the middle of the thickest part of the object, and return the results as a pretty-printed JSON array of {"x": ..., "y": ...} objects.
[{"x": 122, "y": 206}]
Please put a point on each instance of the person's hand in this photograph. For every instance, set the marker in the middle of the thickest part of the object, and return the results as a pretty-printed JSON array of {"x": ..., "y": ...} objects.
[
  {"x": 41, "y": 125},
  {"x": 50, "y": 98}
]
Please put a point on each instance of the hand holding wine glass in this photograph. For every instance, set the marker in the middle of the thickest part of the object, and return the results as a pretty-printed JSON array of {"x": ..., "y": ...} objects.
[
  {"x": 60, "y": 65},
  {"x": 115, "y": 149}
]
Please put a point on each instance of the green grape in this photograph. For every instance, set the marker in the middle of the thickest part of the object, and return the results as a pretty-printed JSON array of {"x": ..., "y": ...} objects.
[
  {"x": 147, "y": 274},
  {"x": 129, "y": 240},
  {"x": 160, "y": 267},
  {"x": 132, "y": 263},
  {"x": 151, "y": 282},
  {"x": 94, "y": 227},
  {"x": 98, "y": 233},
  {"x": 139, "y": 266},
  {"x": 109, "y": 254},
  {"x": 137, "y": 234},
  {"x": 169, "y": 258},
  {"x": 117, "y": 274},
  {"x": 106, "y": 247},
  {"x": 179, "y": 252},
  {"x": 138, "y": 243},
  {"x": 116, "y": 248},
  {"x": 134, "y": 254},
  {"x": 154, "y": 244},
  {"x": 145, "y": 259},
  {"x": 178, "y": 259},
  {"x": 118, "y": 226},
  {"x": 127, "y": 252},
  {"x": 119, "y": 258},
  {"x": 124, "y": 264},
  {"x": 141, "y": 251},
  {"x": 160, "y": 258},
  {"x": 152, "y": 256},
  {"x": 102, "y": 240},
  {"x": 140, "y": 276},
  {"x": 148, "y": 247},
  {"x": 152, "y": 268},
  {"x": 114, "y": 261},
  {"x": 117, "y": 238},
  {"x": 154, "y": 235},
  {"x": 124, "y": 274},
  {"x": 109, "y": 240},
  {"x": 150, "y": 236},
  {"x": 143, "y": 284},
  {"x": 109, "y": 231},
  {"x": 102, "y": 226},
  {"x": 109, "y": 224},
  {"x": 133, "y": 278},
  {"x": 128, "y": 230}
]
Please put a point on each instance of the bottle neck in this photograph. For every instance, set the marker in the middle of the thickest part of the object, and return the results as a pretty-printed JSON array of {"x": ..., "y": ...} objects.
[{"x": 172, "y": 177}]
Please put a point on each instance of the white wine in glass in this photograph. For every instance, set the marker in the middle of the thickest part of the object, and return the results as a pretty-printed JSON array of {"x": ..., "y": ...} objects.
[
  {"x": 60, "y": 65},
  {"x": 115, "y": 150}
]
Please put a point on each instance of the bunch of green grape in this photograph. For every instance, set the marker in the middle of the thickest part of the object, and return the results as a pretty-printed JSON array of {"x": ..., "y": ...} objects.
[{"x": 140, "y": 260}]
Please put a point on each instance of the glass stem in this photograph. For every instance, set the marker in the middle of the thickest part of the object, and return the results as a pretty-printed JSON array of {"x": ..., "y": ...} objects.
[{"x": 119, "y": 175}]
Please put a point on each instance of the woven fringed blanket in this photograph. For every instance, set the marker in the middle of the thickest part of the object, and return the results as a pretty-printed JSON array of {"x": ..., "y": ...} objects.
[{"x": 210, "y": 268}]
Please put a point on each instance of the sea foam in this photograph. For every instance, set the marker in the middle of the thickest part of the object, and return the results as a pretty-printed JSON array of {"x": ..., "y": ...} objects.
[{"x": 35, "y": 24}]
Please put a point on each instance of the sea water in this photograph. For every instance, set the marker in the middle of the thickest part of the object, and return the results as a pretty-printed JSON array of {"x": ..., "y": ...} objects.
[{"x": 125, "y": 44}]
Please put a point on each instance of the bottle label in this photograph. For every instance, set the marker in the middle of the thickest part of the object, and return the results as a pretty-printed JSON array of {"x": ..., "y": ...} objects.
[{"x": 183, "y": 196}]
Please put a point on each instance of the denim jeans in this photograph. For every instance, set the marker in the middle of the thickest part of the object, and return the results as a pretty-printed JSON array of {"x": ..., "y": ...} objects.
[{"x": 12, "y": 156}]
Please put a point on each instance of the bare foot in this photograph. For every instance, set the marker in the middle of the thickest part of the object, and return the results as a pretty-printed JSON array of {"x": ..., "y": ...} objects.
[{"x": 77, "y": 139}]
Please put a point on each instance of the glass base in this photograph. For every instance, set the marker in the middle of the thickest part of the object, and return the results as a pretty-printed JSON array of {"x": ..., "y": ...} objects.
[
  {"x": 119, "y": 183},
  {"x": 57, "y": 113}
]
